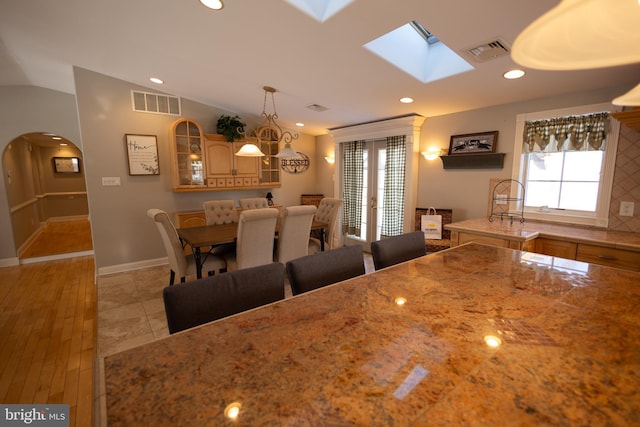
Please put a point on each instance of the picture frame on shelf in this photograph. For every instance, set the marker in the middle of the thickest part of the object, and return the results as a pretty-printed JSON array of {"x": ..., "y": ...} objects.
[
  {"x": 473, "y": 143},
  {"x": 142, "y": 154}
]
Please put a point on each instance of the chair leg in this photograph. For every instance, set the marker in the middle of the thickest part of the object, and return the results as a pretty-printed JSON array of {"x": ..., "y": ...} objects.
[{"x": 172, "y": 277}]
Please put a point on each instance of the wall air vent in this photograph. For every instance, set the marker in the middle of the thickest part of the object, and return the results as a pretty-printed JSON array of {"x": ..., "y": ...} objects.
[
  {"x": 488, "y": 51},
  {"x": 156, "y": 103},
  {"x": 317, "y": 108}
]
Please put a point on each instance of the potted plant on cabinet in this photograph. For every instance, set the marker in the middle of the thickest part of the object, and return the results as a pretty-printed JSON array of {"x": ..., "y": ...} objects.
[{"x": 231, "y": 128}]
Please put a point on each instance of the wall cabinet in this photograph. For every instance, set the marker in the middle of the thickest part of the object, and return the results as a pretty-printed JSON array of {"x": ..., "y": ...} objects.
[
  {"x": 208, "y": 162},
  {"x": 225, "y": 170},
  {"x": 187, "y": 156}
]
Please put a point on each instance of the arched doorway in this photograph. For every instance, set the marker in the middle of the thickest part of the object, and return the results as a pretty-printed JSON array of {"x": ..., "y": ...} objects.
[{"x": 46, "y": 191}]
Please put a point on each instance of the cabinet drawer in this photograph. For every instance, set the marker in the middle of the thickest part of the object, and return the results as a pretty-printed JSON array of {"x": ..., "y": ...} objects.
[
  {"x": 493, "y": 241},
  {"x": 611, "y": 257},
  {"x": 559, "y": 248}
]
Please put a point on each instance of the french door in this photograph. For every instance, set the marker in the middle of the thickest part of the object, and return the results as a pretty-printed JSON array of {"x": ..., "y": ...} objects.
[{"x": 374, "y": 158}]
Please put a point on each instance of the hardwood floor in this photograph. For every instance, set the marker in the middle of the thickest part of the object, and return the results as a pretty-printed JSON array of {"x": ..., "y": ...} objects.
[{"x": 48, "y": 324}]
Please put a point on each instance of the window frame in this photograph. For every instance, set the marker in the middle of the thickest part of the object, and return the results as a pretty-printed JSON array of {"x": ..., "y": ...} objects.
[{"x": 600, "y": 218}]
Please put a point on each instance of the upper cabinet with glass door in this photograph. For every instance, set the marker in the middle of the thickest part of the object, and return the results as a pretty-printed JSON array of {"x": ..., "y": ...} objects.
[
  {"x": 187, "y": 155},
  {"x": 268, "y": 138}
]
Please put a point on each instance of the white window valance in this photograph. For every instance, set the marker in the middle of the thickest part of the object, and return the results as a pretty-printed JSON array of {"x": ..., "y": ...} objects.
[{"x": 570, "y": 133}]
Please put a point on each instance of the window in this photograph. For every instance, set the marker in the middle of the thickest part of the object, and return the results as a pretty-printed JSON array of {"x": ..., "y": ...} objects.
[{"x": 567, "y": 169}]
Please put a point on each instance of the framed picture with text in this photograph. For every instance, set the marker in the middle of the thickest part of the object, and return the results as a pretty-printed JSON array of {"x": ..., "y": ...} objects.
[{"x": 142, "y": 154}]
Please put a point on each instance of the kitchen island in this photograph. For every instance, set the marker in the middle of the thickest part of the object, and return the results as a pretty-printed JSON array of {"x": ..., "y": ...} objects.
[{"x": 486, "y": 336}]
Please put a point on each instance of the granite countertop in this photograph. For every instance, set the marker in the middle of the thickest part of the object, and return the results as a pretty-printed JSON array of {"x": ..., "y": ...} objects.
[
  {"x": 533, "y": 229},
  {"x": 347, "y": 354}
]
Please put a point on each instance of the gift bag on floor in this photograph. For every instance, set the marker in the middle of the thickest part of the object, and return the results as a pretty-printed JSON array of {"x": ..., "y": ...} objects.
[{"x": 431, "y": 225}]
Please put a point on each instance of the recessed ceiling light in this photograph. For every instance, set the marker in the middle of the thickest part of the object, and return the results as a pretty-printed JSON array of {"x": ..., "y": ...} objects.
[
  {"x": 513, "y": 74},
  {"x": 57, "y": 138},
  {"x": 300, "y": 124},
  {"x": 156, "y": 80},
  {"x": 63, "y": 144},
  {"x": 406, "y": 100},
  {"x": 212, "y": 4}
]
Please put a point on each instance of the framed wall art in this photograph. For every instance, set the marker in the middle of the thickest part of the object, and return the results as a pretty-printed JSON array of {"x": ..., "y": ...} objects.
[
  {"x": 142, "y": 154},
  {"x": 471, "y": 143},
  {"x": 66, "y": 164}
]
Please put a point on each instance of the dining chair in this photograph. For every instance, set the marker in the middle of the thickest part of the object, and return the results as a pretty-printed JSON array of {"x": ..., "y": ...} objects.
[
  {"x": 204, "y": 300},
  {"x": 324, "y": 268},
  {"x": 254, "y": 238},
  {"x": 394, "y": 250},
  {"x": 293, "y": 235},
  {"x": 254, "y": 203},
  {"x": 179, "y": 263},
  {"x": 328, "y": 211},
  {"x": 220, "y": 211}
]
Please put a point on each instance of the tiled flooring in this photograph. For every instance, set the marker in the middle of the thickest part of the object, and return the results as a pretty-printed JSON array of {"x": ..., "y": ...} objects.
[{"x": 131, "y": 310}]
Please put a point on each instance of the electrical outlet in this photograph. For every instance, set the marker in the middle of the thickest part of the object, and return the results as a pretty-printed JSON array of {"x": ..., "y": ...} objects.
[
  {"x": 626, "y": 208},
  {"x": 110, "y": 181}
]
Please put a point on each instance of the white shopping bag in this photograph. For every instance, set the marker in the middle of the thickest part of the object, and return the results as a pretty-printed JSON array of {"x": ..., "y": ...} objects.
[{"x": 431, "y": 225}]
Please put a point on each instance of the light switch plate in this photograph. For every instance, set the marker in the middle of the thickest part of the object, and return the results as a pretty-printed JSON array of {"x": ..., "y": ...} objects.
[
  {"x": 110, "y": 181},
  {"x": 627, "y": 208}
]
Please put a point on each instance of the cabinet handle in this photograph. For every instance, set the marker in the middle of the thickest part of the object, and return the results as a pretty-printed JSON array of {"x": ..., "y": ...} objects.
[{"x": 607, "y": 258}]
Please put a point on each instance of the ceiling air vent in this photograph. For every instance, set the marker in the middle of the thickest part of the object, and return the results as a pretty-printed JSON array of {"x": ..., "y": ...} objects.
[
  {"x": 156, "y": 103},
  {"x": 317, "y": 108},
  {"x": 488, "y": 51}
]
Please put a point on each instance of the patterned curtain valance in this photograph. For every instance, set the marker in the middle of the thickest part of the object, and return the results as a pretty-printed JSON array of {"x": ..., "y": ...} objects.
[{"x": 571, "y": 133}]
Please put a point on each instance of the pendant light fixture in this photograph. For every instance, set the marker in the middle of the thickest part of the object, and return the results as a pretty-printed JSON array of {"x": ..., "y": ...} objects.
[{"x": 275, "y": 130}]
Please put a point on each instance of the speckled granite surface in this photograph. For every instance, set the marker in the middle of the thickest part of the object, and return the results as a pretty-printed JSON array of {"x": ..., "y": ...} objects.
[
  {"x": 348, "y": 355},
  {"x": 532, "y": 229}
]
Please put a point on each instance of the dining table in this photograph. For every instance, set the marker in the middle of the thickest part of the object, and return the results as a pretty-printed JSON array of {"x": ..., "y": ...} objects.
[
  {"x": 208, "y": 236},
  {"x": 474, "y": 335}
]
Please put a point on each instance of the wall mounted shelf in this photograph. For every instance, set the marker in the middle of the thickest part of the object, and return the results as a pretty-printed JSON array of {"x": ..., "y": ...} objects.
[{"x": 473, "y": 161}]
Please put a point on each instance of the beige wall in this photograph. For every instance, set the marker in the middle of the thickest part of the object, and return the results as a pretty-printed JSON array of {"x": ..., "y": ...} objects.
[
  {"x": 466, "y": 191},
  {"x": 25, "y": 109}
]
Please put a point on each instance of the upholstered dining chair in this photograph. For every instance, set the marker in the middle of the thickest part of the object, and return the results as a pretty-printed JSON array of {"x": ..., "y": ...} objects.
[
  {"x": 255, "y": 238},
  {"x": 180, "y": 264},
  {"x": 254, "y": 203},
  {"x": 204, "y": 300},
  {"x": 397, "y": 249},
  {"x": 293, "y": 236},
  {"x": 220, "y": 211},
  {"x": 324, "y": 268},
  {"x": 328, "y": 211}
]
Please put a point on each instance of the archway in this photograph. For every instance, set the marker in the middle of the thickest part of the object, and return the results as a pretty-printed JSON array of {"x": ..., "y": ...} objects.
[{"x": 46, "y": 191}]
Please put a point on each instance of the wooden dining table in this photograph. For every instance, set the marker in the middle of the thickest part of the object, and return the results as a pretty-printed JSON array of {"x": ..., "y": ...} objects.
[
  {"x": 207, "y": 236},
  {"x": 485, "y": 336}
]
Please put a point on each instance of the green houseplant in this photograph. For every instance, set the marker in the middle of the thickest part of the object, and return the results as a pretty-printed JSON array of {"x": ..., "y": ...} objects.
[{"x": 231, "y": 127}]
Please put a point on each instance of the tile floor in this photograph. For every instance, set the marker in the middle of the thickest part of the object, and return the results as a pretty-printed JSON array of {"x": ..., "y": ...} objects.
[{"x": 131, "y": 310}]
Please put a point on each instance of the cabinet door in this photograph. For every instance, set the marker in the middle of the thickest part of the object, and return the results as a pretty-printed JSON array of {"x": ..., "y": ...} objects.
[
  {"x": 270, "y": 165},
  {"x": 559, "y": 248},
  {"x": 485, "y": 240},
  {"x": 219, "y": 158},
  {"x": 611, "y": 257},
  {"x": 187, "y": 155}
]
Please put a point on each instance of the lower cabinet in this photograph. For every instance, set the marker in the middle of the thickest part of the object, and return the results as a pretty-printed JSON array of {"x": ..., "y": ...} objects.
[
  {"x": 552, "y": 247},
  {"x": 611, "y": 257},
  {"x": 459, "y": 238}
]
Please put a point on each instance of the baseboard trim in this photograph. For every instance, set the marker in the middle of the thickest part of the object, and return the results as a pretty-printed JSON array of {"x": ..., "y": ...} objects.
[
  {"x": 9, "y": 262},
  {"x": 55, "y": 257},
  {"x": 121, "y": 268}
]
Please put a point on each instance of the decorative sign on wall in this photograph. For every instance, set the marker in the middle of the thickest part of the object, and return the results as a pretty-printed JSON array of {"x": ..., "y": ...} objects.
[
  {"x": 295, "y": 165},
  {"x": 142, "y": 152}
]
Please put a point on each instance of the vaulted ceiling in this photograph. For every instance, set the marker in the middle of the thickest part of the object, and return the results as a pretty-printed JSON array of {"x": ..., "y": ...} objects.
[{"x": 224, "y": 58}]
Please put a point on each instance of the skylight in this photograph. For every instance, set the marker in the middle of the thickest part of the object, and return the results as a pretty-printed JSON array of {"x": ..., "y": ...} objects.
[
  {"x": 320, "y": 10},
  {"x": 418, "y": 53}
]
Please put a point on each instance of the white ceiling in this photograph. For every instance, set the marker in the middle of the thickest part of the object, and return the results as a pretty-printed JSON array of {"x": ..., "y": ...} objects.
[{"x": 224, "y": 58}]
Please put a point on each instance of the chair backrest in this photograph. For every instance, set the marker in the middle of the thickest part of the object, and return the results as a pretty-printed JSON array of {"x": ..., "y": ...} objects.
[
  {"x": 254, "y": 203},
  {"x": 204, "y": 300},
  {"x": 171, "y": 241},
  {"x": 293, "y": 236},
  {"x": 397, "y": 249},
  {"x": 220, "y": 211},
  {"x": 256, "y": 231},
  {"x": 324, "y": 268},
  {"x": 328, "y": 211},
  {"x": 311, "y": 199}
]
